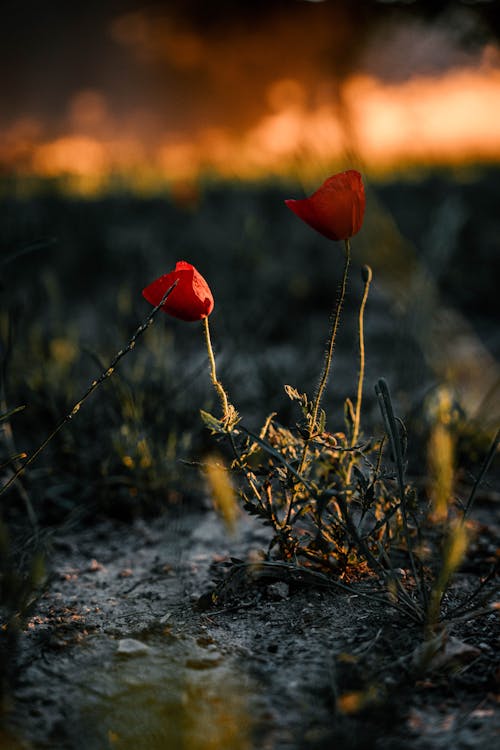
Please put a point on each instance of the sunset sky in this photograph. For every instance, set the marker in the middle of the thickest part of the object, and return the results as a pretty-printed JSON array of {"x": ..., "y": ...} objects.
[{"x": 153, "y": 92}]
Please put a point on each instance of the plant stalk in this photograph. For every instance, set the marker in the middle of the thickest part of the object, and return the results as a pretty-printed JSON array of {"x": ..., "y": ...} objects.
[
  {"x": 329, "y": 355},
  {"x": 213, "y": 372},
  {"x": 95, "y": 384},
  {"x": 367, "y": 274}
]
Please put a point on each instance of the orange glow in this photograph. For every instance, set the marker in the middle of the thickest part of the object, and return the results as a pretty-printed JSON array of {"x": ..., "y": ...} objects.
[
  {"x": 445, "y": 120},
  {"x": 450, "y": 119},
  {"x": 78, "y": 155}
]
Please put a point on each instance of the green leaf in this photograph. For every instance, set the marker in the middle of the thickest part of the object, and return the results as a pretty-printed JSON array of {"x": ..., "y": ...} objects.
[{"x": 212, "y": 423}]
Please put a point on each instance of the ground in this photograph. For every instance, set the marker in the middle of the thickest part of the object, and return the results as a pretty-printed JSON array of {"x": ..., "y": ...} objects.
[{"x": 127, "y": 649}]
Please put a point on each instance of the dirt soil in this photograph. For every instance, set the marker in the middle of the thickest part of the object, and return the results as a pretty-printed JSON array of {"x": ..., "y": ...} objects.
[{"x": 127, "y": 648}]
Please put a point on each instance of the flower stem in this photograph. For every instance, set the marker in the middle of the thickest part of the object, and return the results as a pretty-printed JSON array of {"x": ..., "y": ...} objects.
[
  {"x": 329, "y": 354},
  {"x": 213, "y": 372},
  {"x": 367, "y": 275},
  {"x": 92, "y": 387}
]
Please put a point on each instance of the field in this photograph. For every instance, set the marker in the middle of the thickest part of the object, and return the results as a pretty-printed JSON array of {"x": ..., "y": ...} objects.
[{"x": 142, "y": 610}]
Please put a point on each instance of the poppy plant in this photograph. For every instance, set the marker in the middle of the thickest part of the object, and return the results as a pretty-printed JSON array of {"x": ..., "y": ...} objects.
[
  {"x": 336, "y": 209},
  {"x": 190, "y": 300}
]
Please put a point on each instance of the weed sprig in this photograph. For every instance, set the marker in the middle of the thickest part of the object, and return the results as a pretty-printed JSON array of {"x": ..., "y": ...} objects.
[{"x": 339, "y": 505}]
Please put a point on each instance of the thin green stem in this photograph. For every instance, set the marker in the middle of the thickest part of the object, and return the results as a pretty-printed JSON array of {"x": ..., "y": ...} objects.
[
  {"x": 95, "y": 384},
  {"x": 367, "y": 276},
  {"x": 328, "y": 358},
  {"x": 213, "y": 372}
]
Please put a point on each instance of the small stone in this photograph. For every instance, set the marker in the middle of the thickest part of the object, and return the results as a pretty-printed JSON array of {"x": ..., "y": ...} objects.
[
  {"x": 131, "y": 647},
  {"x": 278, "y": 590}
]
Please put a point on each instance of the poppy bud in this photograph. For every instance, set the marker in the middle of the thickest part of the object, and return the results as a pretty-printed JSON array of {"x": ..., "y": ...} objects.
[
  {"x": 190, "y": 300},
  {"x": 366, "y": 274},
  {"x": 337, "y": 208}
]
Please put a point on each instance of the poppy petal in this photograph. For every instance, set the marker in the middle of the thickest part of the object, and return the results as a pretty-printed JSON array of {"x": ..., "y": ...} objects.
[
  {"x": 337, "y": 208},
  {"x": 190, "y": 300}
]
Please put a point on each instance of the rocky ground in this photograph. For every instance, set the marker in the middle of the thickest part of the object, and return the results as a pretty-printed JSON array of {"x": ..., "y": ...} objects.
[{"x": 127, "y": 648}]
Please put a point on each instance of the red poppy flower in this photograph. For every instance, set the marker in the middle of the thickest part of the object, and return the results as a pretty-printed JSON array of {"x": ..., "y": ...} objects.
[
  {"x": 190, "y": 300},
  {"x": 337, "y": 208}
]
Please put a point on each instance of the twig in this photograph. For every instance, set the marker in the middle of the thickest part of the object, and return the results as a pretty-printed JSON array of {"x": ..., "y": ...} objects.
[
  {"x": 273, "y": 452},
  {"x": 470, "y": 598},
  {"x": 385, "y": 402},
  {"x": 95, "y": 383},
  {"x": 300, "y": 574},
  {"x": 484, "y": 468}
]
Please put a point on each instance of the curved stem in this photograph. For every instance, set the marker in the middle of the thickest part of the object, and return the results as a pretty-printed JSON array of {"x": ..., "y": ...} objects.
[
  {"x": 367, "y": 275},
  {"x": 213, "y": 372},
  {"x": 361, "y": 328},
  {"x": 329, "y": 354}
]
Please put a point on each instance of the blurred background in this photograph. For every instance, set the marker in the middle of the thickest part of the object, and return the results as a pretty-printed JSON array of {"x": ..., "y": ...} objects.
[
  {"x": 140, "y": 95},
  {"x": 135, "y": 134}
]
